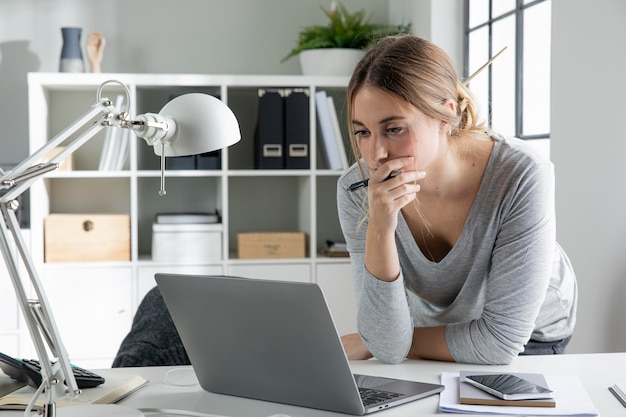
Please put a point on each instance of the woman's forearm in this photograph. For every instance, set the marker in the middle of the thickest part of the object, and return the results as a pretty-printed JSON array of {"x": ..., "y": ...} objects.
[
  {"x": 381, "y": 255},
  {"x": 430, "y": 343}
]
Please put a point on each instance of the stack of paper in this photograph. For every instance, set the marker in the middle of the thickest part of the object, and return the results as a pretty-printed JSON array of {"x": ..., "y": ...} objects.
[
  {"x": 570, "y": 395},
  {"x": 336, "y": 249},
  {"x": 188, "y": 218}
]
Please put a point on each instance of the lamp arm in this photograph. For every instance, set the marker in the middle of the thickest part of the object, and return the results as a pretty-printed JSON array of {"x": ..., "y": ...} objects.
[
  {"x": 41, "y": 325},
  {"x": 102, "y": 106},
  {"x": 57, "y": 378},
  {"x": 10, "y": 178},
  {"x": 158, "y": 130}
]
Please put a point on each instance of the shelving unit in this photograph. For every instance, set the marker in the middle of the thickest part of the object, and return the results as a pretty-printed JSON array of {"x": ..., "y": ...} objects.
[{"x": 249, "y": 200}]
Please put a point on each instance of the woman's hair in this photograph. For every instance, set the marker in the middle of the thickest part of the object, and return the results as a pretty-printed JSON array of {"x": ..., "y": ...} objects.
[{"x": 419, "y": 72}]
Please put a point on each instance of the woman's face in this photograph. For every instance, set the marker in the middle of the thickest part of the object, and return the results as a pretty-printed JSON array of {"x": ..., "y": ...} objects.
[{"x": 387, "y": 127}]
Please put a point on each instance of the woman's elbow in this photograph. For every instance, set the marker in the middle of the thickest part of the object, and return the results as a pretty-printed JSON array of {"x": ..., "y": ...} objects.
[
  {"x": 390, "y": 355},
  {"x": 499, "y": 355},
  {"x": 390, "y": 359}
]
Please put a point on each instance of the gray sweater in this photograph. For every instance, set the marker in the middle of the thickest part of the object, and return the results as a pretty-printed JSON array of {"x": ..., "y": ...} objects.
[{"x": 506, "y": 280}]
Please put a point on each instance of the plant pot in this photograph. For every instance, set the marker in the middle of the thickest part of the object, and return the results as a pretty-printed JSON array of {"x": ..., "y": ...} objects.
[{"x": 330, "y": 61}]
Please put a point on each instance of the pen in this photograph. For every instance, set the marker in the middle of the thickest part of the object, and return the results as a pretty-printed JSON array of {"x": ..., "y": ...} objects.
[{"x": 365, "y": 182}]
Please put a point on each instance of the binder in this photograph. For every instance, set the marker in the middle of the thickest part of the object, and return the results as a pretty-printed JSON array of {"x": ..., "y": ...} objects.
[
  {"x": 297, "y": 129},
  {"x": 270, "y": 134},
  {"x": 209, "y": 160}
]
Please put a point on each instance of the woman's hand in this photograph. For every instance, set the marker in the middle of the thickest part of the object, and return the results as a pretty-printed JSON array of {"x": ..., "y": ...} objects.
[
  {"x": 386, "y": 198},
  {"x": 354, "y": 347},
  {"x": 391, "y": 187}
]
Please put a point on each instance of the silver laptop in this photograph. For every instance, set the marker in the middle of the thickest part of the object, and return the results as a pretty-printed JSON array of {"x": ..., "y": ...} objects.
[{"x": 273, "y": 341}]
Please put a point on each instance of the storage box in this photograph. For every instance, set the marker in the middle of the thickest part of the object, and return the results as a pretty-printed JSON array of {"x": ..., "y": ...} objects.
[
  {"x": 186, "y": 242},
  {"x": 271, "y": 245},
  {"x": 86, "y": 237},
  {"x": 66, "y": 165}
]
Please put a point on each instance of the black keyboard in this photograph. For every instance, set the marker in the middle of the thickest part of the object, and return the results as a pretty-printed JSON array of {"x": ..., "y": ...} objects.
[
  {"x": 374, "y": 396},
  {"x": 28, "y": 371}
]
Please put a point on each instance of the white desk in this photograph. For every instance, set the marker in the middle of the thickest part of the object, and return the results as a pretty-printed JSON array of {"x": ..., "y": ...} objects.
[{"x": 596, "y": 372}]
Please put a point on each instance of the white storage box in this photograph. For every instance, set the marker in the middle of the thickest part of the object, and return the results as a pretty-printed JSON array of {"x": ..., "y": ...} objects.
[{"x": 185, "y": 243}]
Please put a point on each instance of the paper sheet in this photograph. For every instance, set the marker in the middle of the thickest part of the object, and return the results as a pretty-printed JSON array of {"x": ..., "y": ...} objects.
[{"x": 571, "y": 399}]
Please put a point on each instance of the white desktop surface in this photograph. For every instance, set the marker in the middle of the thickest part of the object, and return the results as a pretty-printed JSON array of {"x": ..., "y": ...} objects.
[{"x": 596, "y": 372}]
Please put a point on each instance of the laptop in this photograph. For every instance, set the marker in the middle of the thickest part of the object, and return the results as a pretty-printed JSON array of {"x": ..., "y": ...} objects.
[{"x": 273, "y": 341}]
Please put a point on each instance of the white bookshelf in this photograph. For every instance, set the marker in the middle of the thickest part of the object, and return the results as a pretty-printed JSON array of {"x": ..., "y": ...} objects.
[{"x": 249, "y": 200}]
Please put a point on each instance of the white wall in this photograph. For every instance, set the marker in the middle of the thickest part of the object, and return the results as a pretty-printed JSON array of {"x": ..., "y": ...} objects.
[
  {"x": 589, "y": 151},
  {"x": 150, "y": 36},
  {"x": 441, "y": 21},
  {"x": 181, "y": 36}
]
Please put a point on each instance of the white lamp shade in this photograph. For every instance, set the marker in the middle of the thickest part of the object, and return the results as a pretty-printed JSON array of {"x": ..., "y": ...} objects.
[{"x": 201, "y": 123}]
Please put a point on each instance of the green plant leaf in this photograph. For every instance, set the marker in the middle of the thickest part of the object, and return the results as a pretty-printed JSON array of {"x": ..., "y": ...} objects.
[{"x": 344, "y": 30}]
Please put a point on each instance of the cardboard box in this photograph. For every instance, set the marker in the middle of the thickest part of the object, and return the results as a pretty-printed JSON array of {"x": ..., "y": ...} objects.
[
  {"x": 66, "y": 165},
  {"x": 271, "y": 245},
  {"x": 187, "y": 242},
  {"x": 86, "y": 237}
]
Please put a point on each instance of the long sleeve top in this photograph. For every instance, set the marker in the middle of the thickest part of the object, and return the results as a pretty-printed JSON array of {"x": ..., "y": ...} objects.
[{"x": 506, "y": 279}]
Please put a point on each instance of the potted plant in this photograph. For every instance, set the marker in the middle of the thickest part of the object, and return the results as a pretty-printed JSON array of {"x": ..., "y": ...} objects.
[{"x": 321, "y": 48}]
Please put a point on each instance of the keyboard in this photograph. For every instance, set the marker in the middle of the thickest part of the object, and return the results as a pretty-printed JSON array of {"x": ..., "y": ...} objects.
[
  {"x": 28, "y": 371},
  {"x": 373, "y": 396}
]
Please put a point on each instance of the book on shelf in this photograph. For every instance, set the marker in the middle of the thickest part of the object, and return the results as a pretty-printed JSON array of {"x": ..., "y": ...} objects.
[
  {"x": 329, "y": 137},
  {"x": 188, "y": 218},
  {"x": 469, "y": 394},
  {"x": 117, "y": 386},
  {"x": 338, "y": 135}
]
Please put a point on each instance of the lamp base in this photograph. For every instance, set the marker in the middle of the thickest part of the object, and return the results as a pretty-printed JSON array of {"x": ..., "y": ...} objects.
[{"x": 98, "y": 410}]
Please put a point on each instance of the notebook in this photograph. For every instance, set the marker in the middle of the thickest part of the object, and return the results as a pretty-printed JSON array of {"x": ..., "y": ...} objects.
[{"x": 273, "y": 341}]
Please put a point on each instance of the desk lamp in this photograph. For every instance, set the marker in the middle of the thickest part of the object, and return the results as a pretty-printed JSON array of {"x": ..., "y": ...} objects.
[{"x": 189, "y": 124}]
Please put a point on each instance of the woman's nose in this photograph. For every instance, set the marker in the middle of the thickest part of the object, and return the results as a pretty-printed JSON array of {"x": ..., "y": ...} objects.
[{"x": 378, "y": 151}]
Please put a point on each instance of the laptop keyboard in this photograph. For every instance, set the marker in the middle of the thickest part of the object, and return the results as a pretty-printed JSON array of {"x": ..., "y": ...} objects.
[{"x": 373, "y": 396}]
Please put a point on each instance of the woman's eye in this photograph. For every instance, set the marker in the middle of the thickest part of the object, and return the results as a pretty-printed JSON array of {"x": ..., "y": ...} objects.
[
  {"x": 361, "y": 133},
  {"x": 394, "y": 130}
]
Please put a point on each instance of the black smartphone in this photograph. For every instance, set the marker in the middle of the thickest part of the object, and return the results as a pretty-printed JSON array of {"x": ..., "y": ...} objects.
[{"x": 509, "y": 387}]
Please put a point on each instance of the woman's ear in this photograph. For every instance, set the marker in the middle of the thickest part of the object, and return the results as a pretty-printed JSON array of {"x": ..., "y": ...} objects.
[{"x": 450, "y": 105}]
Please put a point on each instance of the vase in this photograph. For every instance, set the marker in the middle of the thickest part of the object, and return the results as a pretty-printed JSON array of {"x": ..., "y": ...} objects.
[
  {"x": 330, "y": 61},
  {"x": 71, "y": 54}
]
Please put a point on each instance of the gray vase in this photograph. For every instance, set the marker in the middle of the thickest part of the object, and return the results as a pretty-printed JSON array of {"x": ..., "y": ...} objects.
[{"x": 71, "y": 54}]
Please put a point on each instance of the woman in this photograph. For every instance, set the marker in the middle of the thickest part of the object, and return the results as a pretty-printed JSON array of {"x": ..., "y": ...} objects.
[{"x": 452, "y": 242}]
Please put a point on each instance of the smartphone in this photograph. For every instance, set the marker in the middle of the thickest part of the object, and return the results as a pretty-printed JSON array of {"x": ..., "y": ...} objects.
[{"x": 509, "y": 387}]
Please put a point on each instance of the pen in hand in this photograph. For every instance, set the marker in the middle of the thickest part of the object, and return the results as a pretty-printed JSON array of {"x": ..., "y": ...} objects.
[{"x": 363, "y": 183}]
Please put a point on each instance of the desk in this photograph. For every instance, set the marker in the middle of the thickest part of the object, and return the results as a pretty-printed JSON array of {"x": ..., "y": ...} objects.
[{"x": 596, "y": 372}]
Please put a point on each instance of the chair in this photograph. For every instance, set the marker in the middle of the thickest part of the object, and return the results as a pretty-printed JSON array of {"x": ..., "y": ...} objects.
[{"x": 153, "y": 339}]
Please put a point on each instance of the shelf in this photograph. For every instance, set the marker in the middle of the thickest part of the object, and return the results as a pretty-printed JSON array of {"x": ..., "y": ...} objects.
[{"x": 249, "y": 199}]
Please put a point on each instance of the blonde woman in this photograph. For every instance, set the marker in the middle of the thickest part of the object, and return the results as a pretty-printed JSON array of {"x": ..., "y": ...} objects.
[{"x": 452, "y": 238}]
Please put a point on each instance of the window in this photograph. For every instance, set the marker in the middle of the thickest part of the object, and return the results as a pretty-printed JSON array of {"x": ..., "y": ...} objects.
[{"x": 513, "y": 92}]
